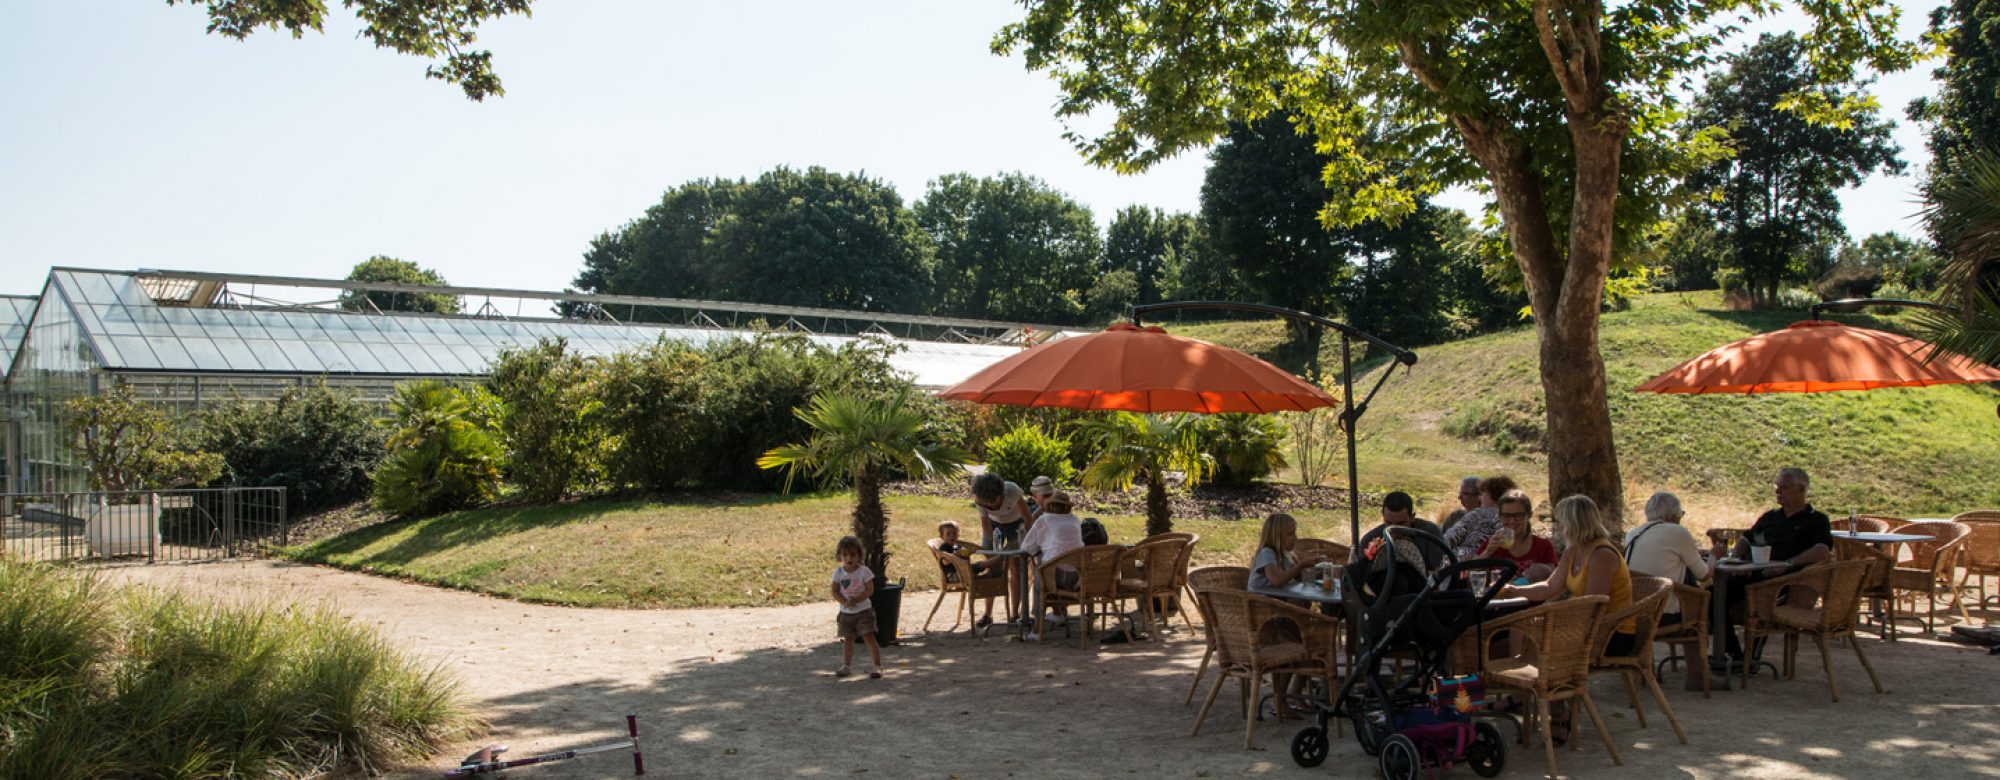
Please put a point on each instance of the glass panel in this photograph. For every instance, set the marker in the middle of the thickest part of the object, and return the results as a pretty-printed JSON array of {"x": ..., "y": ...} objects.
[
  {"x": 331, "y": 359},
  {"x": 299, "y": 355},
  {"x": 390, "y": 359},
  {"x": 239, "y": 356},
  {"x": 359, "y": 359},
  {"x": 205, "y": 355},
  {"x": 133, "y": 352}
]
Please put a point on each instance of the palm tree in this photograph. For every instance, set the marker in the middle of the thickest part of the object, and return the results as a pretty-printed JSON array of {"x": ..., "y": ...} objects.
[
  {"x": 1246, "y": 447},
  {"x": 1962, "y": 211},
  {"x": 1131, "y": 447},
  {"x": 864, "y": 439}
]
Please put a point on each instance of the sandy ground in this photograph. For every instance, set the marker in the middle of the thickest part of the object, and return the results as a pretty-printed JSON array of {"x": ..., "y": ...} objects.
[{"x": 750, "y": 693}]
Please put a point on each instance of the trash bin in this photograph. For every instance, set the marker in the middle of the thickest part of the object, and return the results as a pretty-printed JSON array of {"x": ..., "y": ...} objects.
[{"x": 888, "y": 604}]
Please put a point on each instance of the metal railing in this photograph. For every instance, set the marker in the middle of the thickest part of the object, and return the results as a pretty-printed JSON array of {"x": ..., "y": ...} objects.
[{"x": 156, "y": 525}]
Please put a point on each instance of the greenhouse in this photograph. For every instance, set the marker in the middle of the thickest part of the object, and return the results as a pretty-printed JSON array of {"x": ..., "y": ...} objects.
[{"x": 184, "y": 339}]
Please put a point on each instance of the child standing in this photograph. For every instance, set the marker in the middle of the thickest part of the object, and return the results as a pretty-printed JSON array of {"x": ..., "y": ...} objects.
[{"x": 853, "y": 585}]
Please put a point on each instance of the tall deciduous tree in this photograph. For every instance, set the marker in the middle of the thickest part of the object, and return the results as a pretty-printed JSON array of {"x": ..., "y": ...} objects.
[
  {"x": 1562, "y": 107},
  {"x": 440, "y": 30},
  {"x": 1151, "y": 244},
  {"x": 667, "y": 252},
  {"x": 1964, "y": 118},
  {"x": 1777, "y": 192},
  {"x": 1009, "y": 248},
  {"x": 390, "y": 270}
]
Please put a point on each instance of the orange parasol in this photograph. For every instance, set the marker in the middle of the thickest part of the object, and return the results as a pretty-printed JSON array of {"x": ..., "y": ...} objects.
[
  {"x": 1134, "y": 368},
  {"x": 1818, "y": 356}
]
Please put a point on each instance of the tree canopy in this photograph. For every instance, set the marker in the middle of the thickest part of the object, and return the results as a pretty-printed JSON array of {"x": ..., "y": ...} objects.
[
  {"x": 1563, "y": 108},
  {"x": 440, "y": 30},
  {"x": 382, "y": 268},
  {"x": 1009, "y": 248},
  {"x": 1776, "y": 195},
  {"x": 1964, "y": 118}
]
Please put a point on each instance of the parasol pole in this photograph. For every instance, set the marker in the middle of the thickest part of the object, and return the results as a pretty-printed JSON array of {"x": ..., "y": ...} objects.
[{"x": 1349, "y": 413}]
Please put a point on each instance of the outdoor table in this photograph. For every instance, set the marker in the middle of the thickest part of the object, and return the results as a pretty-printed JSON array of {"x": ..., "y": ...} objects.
[
  {"x": 1881, "y": 537},
  {"x": 1017, "y": 578},
  {"x": 1303, "y": 591},
  {"x": 1718, "y": 619}
]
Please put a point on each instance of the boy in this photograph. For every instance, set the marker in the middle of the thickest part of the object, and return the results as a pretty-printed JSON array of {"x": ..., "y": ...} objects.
[
  {"x": 853, "y": 585},
  {"x": 948, "y": 543}
]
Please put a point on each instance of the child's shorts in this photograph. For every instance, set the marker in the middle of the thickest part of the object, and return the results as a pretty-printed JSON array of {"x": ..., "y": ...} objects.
[{"x": 855, "y": 625}]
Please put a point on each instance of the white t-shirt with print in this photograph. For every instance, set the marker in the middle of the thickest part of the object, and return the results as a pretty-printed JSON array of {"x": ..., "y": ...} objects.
[{"x": 852, "y": 585}]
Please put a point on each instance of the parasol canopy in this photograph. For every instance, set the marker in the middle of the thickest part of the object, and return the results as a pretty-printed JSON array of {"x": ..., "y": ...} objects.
[
  {"x": 1130, "y": 368},
  {"x": 1816, "y": 356}
]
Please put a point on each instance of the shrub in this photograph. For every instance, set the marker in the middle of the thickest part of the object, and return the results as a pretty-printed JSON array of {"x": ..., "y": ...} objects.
[
  {"x": 652, "y": 399},
  {"x": 1027, "y": 452},
  {"x": 153, "y": 685},
  {"x": 1849, "y": 281},
  {"x": 316, "y": 443},
  {"x": 550, "y": 421},
  {"x": 128, "y": 444},
  {"x": 1505, "y": 428},
  {"x": 1245, "y": 447},
  {"x": 1893, "y": 291},
  {"x": 1796, "y": 299},
  {"x": 444, "y": 453},
  {"x": 749, "y": 388}
]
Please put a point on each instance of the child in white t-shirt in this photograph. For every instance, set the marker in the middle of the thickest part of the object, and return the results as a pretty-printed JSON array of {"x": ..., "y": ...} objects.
[{"x": 853, "y": 585}]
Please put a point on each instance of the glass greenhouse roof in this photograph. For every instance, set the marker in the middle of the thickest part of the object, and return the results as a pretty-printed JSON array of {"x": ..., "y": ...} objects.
[
  {"x": 14, "y": 313},
  {"x": 130, "y": 332}
]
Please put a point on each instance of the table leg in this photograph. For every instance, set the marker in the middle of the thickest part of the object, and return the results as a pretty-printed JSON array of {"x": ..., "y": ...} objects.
[{"x": 1719, "y": 628}]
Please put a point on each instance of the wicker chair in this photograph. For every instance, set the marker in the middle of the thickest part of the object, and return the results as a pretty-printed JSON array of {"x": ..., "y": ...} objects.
[
  {"x": 1181, "y": 577},
  {"x": 1247, "y": 651},
  {"x": 969, "y": 588},
  {"x": 1688, "y": 638},
  {"x": 1873, "y": 524},
  {"x": 1875, "y": 585},
  {"x": 1822, "y": 601},
  {"x": 1649, "y": 599},
  {"x": 1982, "y": 549},
  {"x": 1334, "y": 551},
  {"x": 1156, "y": 576},
  {"x": 1211, "y": 578},
  {"x": 1933, "y": 566},
  {"x": 1096, "y": 587},
  {"x": 1556, "y": 666}
]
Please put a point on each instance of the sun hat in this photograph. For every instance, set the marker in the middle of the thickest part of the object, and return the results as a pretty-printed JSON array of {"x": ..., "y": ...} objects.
[
  {"x": 1042, "y": 486},
  {"x": 1057, "y": 502}
]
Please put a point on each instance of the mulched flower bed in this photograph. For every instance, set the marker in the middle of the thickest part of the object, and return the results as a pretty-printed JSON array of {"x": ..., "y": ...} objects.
[{"x": 1216, "y": 501}]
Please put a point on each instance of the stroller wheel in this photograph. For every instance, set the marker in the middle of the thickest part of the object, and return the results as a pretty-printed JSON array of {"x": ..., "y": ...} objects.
[
  {"x": 1309, "y": 746},
  {"x": 1400, "y": 759},
  {"x": 1488, "y": 753}
]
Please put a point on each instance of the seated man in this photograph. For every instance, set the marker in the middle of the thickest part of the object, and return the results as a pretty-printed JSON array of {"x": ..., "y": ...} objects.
[
  {"x": 1398, "y": 509},
  {"x": 1797, "y": 534}
]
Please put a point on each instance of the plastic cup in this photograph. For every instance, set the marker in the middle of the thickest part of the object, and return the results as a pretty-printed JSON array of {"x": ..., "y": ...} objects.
[
  {"x": 1760, "y": 554},
  {"x": 1478, "y": 580}
]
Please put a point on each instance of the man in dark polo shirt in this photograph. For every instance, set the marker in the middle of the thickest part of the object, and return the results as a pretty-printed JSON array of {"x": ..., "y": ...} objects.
[{"x": 1797, "y": 534}]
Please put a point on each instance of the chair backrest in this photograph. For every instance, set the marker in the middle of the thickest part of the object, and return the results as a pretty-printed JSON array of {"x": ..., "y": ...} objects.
[
  {"x": 1945, "y": 541},
  {"x": 1181, "y": 535},
  {"x": 1187, "y": 559},
  {"x": 1978, "y": 516},
  {"x": 1560, "y": 633},
  {"x": 1982, "y": 546},
  {"x": 1694, "y": 604},
  {"x": 1881, "y": 564},
  {"x": 1158, "y": 560},
  {"x": 1334, "y": 551},
  {"x": 1228, "y": 617},
  {"x": 1097, "y": 569},
  {"x": 1840, "y": 600},
  {"x": 1215, "y": 578},
  {"x": 955, "y": 563},
  {"x": 1874, "y": 524},
  {"x": 1649, "y": 599}
]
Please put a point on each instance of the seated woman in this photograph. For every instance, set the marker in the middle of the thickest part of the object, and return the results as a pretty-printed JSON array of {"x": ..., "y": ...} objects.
[
  {"x": 1516, "y": 541},
  {"x": 1664, "y": 548},
  {"x": 1590, "y": 566},
  {"x": 1471, "y": 531}
]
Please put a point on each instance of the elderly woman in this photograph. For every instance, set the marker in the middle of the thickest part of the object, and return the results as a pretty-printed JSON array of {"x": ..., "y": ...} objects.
[
  {"x": 1590, "y": 566},
  {"x": 1471, "y": 531},
  {"x": 1664, "y": 548},
  {"x": 1516, "y": 541}
]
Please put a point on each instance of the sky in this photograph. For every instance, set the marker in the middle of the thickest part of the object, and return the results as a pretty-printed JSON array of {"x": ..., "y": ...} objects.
[{"x": 131, "y": 139}]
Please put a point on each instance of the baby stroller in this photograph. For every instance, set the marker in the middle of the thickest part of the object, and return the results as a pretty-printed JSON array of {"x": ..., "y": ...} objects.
[{"x": 1420, "y": 719}]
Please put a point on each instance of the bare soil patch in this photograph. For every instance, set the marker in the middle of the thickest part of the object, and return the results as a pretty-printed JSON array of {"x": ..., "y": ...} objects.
[{"x": 749, "y": 692}]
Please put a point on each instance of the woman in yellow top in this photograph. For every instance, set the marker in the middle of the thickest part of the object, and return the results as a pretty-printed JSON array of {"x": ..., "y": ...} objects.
[{"x": 1590, "y": 566}]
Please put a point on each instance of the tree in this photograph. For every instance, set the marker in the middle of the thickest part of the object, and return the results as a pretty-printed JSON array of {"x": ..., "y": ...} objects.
[
  {"x": 440, "y": 31},
  {"x": 1150, "y": 244},
  {"x": 318, "y": 443},
  {"x": 1777, "y": 192},
  {"x": 389, "y": 270},
  {"x": 1562, "y": 107},
  {"x": 552, "y": 423},
  {"x": 1962, "y": 210},
  {"x": 1132, "y": 447},
  {"x": 863, "y": 439},
  {"x": 127, "y": 444},
  {"x": 1964, "y": 118},
  {"x": 1009, "y": 248},
  {"x": 666, "y": 253},
  {"x": 1901, "y": 261}
]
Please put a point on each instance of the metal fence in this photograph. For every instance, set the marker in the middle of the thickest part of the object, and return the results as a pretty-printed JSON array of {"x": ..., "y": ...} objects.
[{"x": 156, "y": 525}]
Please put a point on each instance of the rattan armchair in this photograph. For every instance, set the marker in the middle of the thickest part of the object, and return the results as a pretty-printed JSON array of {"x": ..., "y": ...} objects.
[
  {"x": 1649, "y": 599},
  {"x": 1251, "y": 644},
  {"x": 1211, "y": 578},
  {"x": 1095, "y": 589},
  {"x": 1822, "y": 601},
  {"x": 1155, "y": 569},
  {"x": 1875, "y": 585},
  {"x": 1181, "y": 577},
  {"x": 1982, "y": 549},
  {"x": 1555, "y": 665},
  {"x": 1333, "y": 551},
  {"x": 1689, "y": 637},
  {"x": 969, "y": 587},
  {"x": 1933, "y": 566},
  {"x": 1873, "y": 524}
]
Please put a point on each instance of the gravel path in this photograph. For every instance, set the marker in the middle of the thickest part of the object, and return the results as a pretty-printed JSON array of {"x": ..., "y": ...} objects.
[{"x": 749, "y": 693}]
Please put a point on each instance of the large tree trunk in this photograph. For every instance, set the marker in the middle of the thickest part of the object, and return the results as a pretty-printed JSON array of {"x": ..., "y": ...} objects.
[
  {"x": 1159, "y": 511},
  {"x": 871, "y": 523}
]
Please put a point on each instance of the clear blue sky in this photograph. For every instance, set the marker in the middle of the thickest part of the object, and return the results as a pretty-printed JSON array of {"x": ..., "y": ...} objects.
[{"x": 131, "y": 139}]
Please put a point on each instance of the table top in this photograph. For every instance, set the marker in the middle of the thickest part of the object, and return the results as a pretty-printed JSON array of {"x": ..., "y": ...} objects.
[
  {"x": 1878, "y": 537},
  {"x": 1303, "y": 591},
  {"x": 1003, "y": 552},
  {"x": 1738, "y": 567}
]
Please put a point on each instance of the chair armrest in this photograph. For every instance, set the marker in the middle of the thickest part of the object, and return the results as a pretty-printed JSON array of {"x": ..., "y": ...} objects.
[
  {"x": 1694, "y": 603},
  {"x": 1319, "y": 632},
  {"x": 1762, "y": 597}
]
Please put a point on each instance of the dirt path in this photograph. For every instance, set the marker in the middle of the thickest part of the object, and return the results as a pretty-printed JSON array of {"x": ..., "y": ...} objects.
[{"x": 749, "y": 693}]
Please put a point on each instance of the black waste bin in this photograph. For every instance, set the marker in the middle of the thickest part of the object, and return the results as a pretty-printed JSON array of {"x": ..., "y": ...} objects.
[{"x": 888, "y": 604}]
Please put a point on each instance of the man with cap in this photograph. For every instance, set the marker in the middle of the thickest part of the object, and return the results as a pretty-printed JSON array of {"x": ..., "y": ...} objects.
[{"x": 1054, "y": 533}]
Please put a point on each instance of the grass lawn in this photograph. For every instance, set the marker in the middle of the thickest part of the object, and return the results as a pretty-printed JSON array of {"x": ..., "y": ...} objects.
[{"x": 747, "y": 551}]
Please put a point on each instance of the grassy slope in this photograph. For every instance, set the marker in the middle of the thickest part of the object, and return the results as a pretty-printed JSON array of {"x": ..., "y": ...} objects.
[
  {"x": 1912, "y": 452},
  {"x": 743, "y": 552}
]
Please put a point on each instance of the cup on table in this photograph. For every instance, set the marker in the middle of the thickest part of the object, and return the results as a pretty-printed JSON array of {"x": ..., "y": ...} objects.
[
  {"x": 1477, "y": 578},
  {"x": 1760, "y": 554}
]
